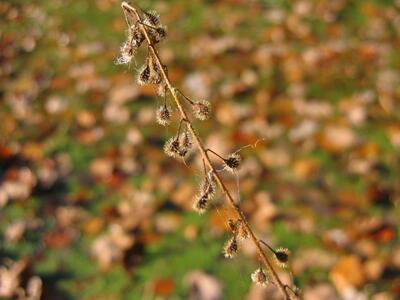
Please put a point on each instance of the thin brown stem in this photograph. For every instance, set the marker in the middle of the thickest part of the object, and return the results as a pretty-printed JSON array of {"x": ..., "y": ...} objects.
[
  {"x": 184, "y": 96},
  {"x": 239, "y": 213},
  {"x": 180, "y": 127},
  {"x": 215, "y": 153},
  {"x": 204, "y": 168},
  {"x": 165, "y": 97},
  {"x": 268, "y": 246},
  {"x": 296, "y": 293},
  {"x": 147, "y": 25}
]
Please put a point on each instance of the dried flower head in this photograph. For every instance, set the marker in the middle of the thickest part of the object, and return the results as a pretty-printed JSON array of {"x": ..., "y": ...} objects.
[
  {"x": 231, "y": 248},
  {"x": 201, "y": 203},
  {"x": 281, "y": 257},
  {"x": 232, "y": 163},
  {"x": 156, "y": 35},
  {"x": 144, "y": 75},
  {"x": 233, "y": 225},
  {"x": 238, "y": 229},
  {"x": 242, "y": 232},
  {"x": 185, "y": 143},
  {"x": 171, "y": 147},
  {"x": 127, "y": 53},
  {"x": 162, "y": 32},
  {"x": 202, "y": 110},
  {"x": 136, "y": 35},
  {"x": 207, "y": 188},
  {"x": 155, "y": 74},
  {"x": 162, "y": 89},
  {"x": 151, "y": 18},
  {"x": 163, "y": 115},
  {"x": 259, "y": 277}
]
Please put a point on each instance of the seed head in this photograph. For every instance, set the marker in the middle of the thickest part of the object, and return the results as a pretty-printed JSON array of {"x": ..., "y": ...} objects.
[
  {"x": 242, "y": 232},
  {"x": 207, "y": 188},
  {"x": 232, "y": 163},
  {"x": 200, "y": 204},
  {"x": 151, "y": 18},
  {"x": 162, "y": 89},
  {"x": 171, "y": 147},
  {"x": 155, "y": 74},
  {"x": 259, "y": 277},
  {"x": 231, "y": 248},
  {"x": 144, "y": 75},
  {"x": 127, "y": 52},
  {"x": 238, "y": 229},
  {"x": 136, "y": 35},
  {"x": 163, "y": 115},
  {"x": 185, "y": 143},
  {"x": 156, "y": 35},
  {"x": 281, "y": 257},
  {"x": 162, "y": 32},
  {"x": 233, "y": 226},
  {"x": 202, "y": 110}
]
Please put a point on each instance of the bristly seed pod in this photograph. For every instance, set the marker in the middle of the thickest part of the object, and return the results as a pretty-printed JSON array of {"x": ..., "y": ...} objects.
[
  {"x": 259, "y": 277},
  {"x": 136, "y": 35},
  {"x": 200, "y": 204},
  {"x": 231, "y": 248},
  {"x": 144, "y": 75},
  {"x": 202, "y": 110},
  {"x": 185, "y": 143},
  {"x": 162, "y": 32},
  {"x": 171, "y": 147},
  {"x": 232, "y": 163},
  {"x": 151, "y": 18},
  {"x": 156, "y": 76},
  {"x": 156, "y": 35},
  {"x": 242, "y": 232},
  {"x": 207, "y": 188},
  {"x": 281, "y": 257},
  {"x": 238, "y": 229},
  {"x": 233, "y": 226},
  {"x": 161, "y": 89},
  {"x": 163, "y": 115},
  {"x": 127, "y": 53}
]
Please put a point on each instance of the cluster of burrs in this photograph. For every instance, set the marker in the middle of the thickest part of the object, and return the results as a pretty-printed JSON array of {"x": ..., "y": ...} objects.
[
  {"x": 262, "y": 277},
  {"x": 151, "y": 73},
  {"x": 146, "y": 27}
]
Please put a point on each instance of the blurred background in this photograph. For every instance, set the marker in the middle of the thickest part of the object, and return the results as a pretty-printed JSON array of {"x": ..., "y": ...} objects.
[{"x": 91, "y": 208}]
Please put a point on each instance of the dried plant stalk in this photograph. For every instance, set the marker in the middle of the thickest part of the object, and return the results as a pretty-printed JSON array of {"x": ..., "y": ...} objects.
[{"x": 145, "y": 26}]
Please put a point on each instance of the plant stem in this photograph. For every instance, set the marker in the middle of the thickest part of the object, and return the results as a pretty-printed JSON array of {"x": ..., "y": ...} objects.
[
  {"x": 268, "y": 246},
  {"x": 215, "y": 153},
  {"x": 239, "y": 213},
  {"x": 186, "y": 97}
]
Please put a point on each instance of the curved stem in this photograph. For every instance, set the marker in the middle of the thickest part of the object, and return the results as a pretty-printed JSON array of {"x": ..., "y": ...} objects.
[
  {"x": 165, "y": 97},
  {"x": 147, "y": 25},
  {"x": 204, "y": 168},
  {"x": 268, "y": 246},
  {"x": 239, "y": 213},
  {"x": 215, "y": 153},
  {"x": 180, "y": 126},
  {"x": 186, "y": 97}
]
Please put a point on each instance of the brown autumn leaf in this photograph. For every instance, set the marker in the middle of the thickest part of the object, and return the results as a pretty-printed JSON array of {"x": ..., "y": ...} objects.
[
  {"x": 163, "y": 287},
  {"x": 58, "y": 238},
  {"x": 337, "y": 138},
  {"x": 347, "y": 273},
  {"x": 92, "y": 225}
]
